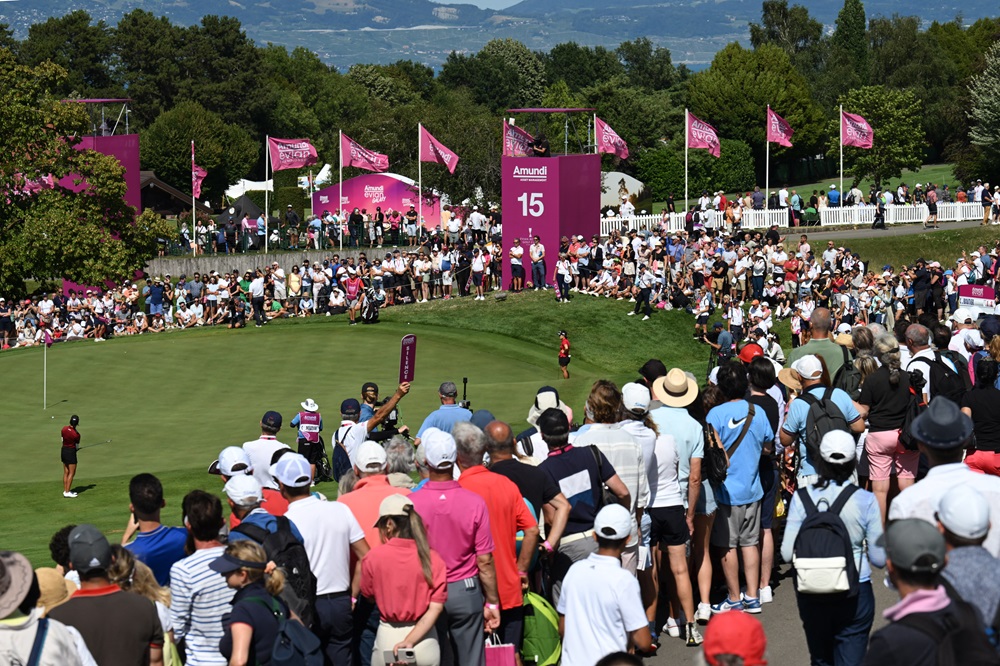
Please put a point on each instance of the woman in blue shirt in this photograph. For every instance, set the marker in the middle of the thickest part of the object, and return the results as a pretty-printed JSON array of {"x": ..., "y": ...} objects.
[{"x": 836, "y": 625}]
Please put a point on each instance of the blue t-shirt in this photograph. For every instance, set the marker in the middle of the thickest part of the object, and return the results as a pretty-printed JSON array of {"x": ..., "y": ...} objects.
[
  {"x": 263, "y": 520},
  {"x": 742, "y": 484},
  {"x": 834, "y": 197},
  {"x": 159, "y": 550},
  {"x": 574, "y": 470},
  {"x": 795, "y": 421},
  {"x": 367, "y": 411},
  {"x": 444, "y": 417},
  {"x": 156, "y": 295}
]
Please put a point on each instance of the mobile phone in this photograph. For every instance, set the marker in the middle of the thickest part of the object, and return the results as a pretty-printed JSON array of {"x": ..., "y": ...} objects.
[{"x": 405, "y": 656}]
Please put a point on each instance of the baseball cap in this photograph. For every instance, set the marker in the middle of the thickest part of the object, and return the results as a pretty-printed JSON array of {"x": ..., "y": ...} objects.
[
  {"x": 635, "y": 397},
  {"x": 652, "y": 370},
  {"x": 350, "y": 406},
  {"x": 448, "y": 388},
  {"x": 942, "y": 425},
  {"x": 914, "y": 545},
  {"x": 88, "y": 549},
  {"x": 439, "y": 448},
  {"x": 369, "y": 386},
  {"x": 738, "y": 634},
  {"x": 613, "y": 522},
  {"x": 482, "y": 418},
  {"x": 244, "y": 490},
  {"x": 964, "y": 512},
  {"x": 271, "y": 419},
  {"x": 717, "y": 324},
  {"x": 844, "y": 328},
  {"x": 393, "y": 505},
  {"x": 293, "y": 470},
  {"x": 961, "y": 315},
  {"x": 837, "y": 446},
  {"x": 989, "y": 327},
  {"x": 808, "y": 367},
  {"x": 750, "y": 351},
  {"x": 370, "y": 456},
  {"x": 232, "y": 459}
]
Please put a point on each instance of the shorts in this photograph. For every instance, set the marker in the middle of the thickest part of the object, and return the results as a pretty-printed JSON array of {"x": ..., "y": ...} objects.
[
  {"x": 68, "y": 455},
  {"x": 311, "y": 451},
  {"x": 702, "y": 319},
  {"x": 919, "y": 299},
  {"x": 477, "y": 278},
  {"x": 668, "y": 526},
  {"x": 736, "y": 526},
  {"x": 887, "y": 456},
  {"x": 511, "y": 628},
  {"x": 353, "y": 303},
  {"x": 986, "y": 462},
  {"x": 932, "y": 209},
  {"x": 155, "y": 308},
  {"x": 517, "y": 270},
  {"x": 717, "y": 283},
  {"x": 564, "y": 361},
  {"x": 446, "y": 279}
]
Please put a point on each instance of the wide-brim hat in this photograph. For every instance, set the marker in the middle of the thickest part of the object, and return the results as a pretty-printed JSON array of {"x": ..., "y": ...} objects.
[
  {"x": 16, "y": 576},
  {"x": 942, "y": 425},
  {"x": 546, "y": 398},
  {"x": 310, "y": 405},
  {"x": 675, "y": 389},
  {"x": 790, "y": 378}
]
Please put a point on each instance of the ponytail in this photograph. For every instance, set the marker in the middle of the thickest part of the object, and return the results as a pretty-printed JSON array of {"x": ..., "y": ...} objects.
[{"x": 419, "y": 535}]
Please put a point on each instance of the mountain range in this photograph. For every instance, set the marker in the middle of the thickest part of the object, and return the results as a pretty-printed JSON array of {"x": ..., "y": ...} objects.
[{"x": 345, "y": 32}]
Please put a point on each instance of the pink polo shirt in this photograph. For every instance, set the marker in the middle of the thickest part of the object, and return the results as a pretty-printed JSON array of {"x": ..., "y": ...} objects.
[{"x": 458, "y": 525}]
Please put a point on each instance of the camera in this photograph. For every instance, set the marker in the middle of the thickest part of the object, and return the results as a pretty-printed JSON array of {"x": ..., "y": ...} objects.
[{"x": 465, "y": 403}]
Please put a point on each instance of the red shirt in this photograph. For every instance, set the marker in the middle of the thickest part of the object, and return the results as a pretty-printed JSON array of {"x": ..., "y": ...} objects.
[
  {"x": 364, "y": 501},
  {"x": 508, "y": 515},
  {"x": 70, "y": 437},
  {"x": 564, "y": 347},
  {"x": 393, "y": 577}
]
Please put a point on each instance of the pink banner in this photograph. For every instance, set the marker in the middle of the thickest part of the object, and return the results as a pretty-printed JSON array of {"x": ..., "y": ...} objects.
[
  {"x": 291, "y": 153},
  {"x": 432, "y": 150},
  {"x": 778, "y": 129},
  {"x": 197, "y": 176},
  {"x": 703, "y": 135},
  {"x": 516, "y": 142},
  {"x": 608, "y": 140},
  {"x": 407, "y": 358},
  {"x": 856, "y": 130},
  {"x": 354, "y": 154},
  {"x": 376, "y": 190}
]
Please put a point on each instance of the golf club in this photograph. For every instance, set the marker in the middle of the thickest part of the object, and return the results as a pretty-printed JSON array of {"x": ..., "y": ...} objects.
[{"x": 90, "y": 446}]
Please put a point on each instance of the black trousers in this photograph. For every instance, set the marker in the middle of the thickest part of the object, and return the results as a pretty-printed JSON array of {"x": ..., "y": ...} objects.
[{"x": 258, "y": 310}]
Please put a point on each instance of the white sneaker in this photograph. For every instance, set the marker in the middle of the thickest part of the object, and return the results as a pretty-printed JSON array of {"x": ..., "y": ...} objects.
[
  {"x": 704, "y": 613},
  {"x": 671, "y": 628},
  {"x": 69, "y": 494},
  {"x": 631, "y": 300},
  {"x": 766, "y": 595},
  {"x": 629, "y": 314},
  {"x": 645, "y": 318}
]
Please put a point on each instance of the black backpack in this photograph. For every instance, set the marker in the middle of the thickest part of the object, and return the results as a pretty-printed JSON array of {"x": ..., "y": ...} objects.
[
  {"x": 848, "y": 378},
  {"x": 943, "y": 380},
  {"x": 962, "y": 364},
  {"x": 958, "y": 633},
  {"x": 823, "y": 556},
  {"x": 294, "y": 645},
  {"x": 824, "y": 416},
  {"x": 282, "y": 548},
  {"x": 914, "y": 408}
]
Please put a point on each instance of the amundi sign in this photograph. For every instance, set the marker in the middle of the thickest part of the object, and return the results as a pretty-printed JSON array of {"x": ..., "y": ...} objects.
[{"x": 531, "y": 174}]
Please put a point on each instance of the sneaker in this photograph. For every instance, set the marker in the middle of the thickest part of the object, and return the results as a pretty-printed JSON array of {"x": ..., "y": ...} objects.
[
  {"x": 671, "y": 628},
  {"x": 727, "y": 605},
  {"x": 704, "y": 613},
  {"x": 751, "y": 605},
  {"x": 631, "y": 300},
  {"x": 693, "y": 636},
  {"x": 69, "y": 494},
  {"x": 645, "y": 318},
  {"x": 765, "y": 595},
  {"x": 629, "y": 314}
]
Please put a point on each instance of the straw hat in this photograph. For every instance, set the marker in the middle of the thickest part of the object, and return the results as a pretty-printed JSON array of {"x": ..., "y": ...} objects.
[
  {"x": 675, "y": 389},
  {"x": 790, "y": 378}
]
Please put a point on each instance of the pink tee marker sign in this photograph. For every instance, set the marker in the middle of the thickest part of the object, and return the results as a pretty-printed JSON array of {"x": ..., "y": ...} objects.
[{"x": 407, "y": 358}]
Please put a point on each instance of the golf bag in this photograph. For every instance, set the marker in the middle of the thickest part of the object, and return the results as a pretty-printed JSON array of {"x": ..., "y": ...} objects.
[
  {"x": 324, "y": 471},
  {"x": 374, "y": 299}
]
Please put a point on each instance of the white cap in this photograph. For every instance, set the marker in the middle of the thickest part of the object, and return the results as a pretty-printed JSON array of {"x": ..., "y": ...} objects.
[
  {"x": 837, "y": 447},
  {"x": 244, "y": 490},
  {"x": 439, "y": 448},
  {"x": 369, "y": 456},
  {"x": 808, "y": 367},
  {"x": 964, "y": 512},
  {"x": 635, "y": 397},
  {"x": 613, "y": 522},
  {"x": 974, "y": 339},
  {"x": 293, "y": 470},
  {"x": 844, "y": 328},
  {"x": 961, "y": 315},
  {"x": 229, "y": 458},
  {"x": 713, "y": 376}
]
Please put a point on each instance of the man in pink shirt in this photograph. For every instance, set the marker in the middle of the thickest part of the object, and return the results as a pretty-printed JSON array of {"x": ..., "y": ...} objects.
[{"x": 458, "y": 529}]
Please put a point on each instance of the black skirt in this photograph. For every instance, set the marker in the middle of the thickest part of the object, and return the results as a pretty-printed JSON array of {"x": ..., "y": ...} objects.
[{"x": 68, "y": 455}]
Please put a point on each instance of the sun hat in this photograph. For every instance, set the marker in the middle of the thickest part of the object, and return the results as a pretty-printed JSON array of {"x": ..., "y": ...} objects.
[
  {"x": 675, "y": 389},
  {"x": 310, "y": 405},
  {"x": 15, "y": 581},
  {"x": 808, "y": 367},
  {"x": 635, "y": 397},
  {"x": 231, "y": 460},
  {"x": 942, "y": 425},
  {"x": 393, "y": 505},
  {"x": 439, "y": 448},
  {"x": 547, "y": 397},
  {"x": 613, "y": 522},
  {"x": 370, "y": 455},
  {"x": 790, "y": 378},
  {"x": 914, "y": 545},
  {"x": 837, "y": 446},
  {"x": 738, "y": 634},
  {"x": 54, "y": 588},
  {"x": 964, "y": 512},
  {"x": 844, "y": 340}
]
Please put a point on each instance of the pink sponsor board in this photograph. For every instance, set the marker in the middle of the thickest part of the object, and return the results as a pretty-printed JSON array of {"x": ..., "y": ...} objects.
[{"x": 377, "y": 190}]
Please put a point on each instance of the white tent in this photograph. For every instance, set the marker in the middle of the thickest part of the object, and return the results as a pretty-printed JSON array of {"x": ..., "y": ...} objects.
[{"x": 244, "y": 186}]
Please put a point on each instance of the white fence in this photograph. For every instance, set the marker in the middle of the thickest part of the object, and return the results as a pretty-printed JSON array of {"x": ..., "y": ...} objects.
[{"x": 763, "y": 219}]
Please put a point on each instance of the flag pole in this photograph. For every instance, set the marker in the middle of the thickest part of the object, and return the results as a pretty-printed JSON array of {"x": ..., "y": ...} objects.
[
  {"x": 841, "y": 119},
  {"x": 267, "y": 166},
  {"x": 45, "y": 378},
  {"x": 194, "y": 207},
  {"x": 340, "y": 189},
  {"x": 767, "y": 158},
  {"x": 596, "y": 150},
  {"x": 687, "y": 140},
  {"x": 420, "y": 177}
]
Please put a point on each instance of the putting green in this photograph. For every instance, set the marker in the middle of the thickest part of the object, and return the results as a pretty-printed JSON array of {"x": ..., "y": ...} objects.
[{"x": 170, "y": 402}]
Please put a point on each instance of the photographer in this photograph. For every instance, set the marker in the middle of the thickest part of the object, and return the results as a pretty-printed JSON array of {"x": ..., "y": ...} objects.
[
  {"x": 448, "y": 414},
  {"x": 723, "y": 343}
]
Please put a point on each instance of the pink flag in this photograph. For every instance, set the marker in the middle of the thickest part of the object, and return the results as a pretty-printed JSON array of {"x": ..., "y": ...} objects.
[
  {"x": 197, "y": 175},
  {"x": 354, "y": 154},
  {"x": 778, "y": 129},
  {"x": 291, "y": 153},
  {"x": 608, "y": 140},
  {"x": 432, "y": 150},
  {"x": 516, "y": 142},
  {"x": 703, "y": 135},
  {"x": 48, "y": 338},
  {"x": 856, "y": 130}
]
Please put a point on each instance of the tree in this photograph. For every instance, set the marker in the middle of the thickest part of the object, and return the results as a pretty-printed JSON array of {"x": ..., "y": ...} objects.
[
  {"x": 899, "y": 141},
  {"x": 647, "y": 66},
  {"x": 851, "y": 39},
  {"x": 226, "y": 151},
  {"x": 503, "y": 74},
  {"x": 791, "y": 29},
  {"x": 80, "y": 47},
  {"x": 580, "y": 66},
  {"x": 85, "y": 236},
  {"x": 7, "y": 39},
  {"x": 984, "y": 113},
  {"x": 146, "y": 51},
  {"x": 661, "y": 169}
]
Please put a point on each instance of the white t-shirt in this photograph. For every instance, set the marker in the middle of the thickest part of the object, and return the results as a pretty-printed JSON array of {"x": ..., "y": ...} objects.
[
  {"x": 664, "y": 486},
  {"x": 602, "y": 604},
  {"x": 783, "y": 198},
  {"x": 328, "y": 529},
  {"x": 351, "y": 435},
  {"x": 516, "y": 252},
  {"x": 260, "y": 451}
]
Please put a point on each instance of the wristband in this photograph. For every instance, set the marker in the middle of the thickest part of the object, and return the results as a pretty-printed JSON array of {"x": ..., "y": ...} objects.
[
  {"x": 492, "y": 606},
  {"x": 354, "y": 600},
  {"x": 547, "y": 546},
  {"x": 522, "y": 574}
]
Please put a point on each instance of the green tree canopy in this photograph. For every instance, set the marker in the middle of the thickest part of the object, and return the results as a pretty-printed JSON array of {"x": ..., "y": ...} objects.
[
  {"x": 580, "y": 66},
  {"x": 985, "y": 109},
  {"x": 791, "y": 29},
  {"x": 647, "y": 66},
  {"x": 77, "y": 45},
  {"x": 898, "y": 142},
  {"x": 850, "y": 38}
]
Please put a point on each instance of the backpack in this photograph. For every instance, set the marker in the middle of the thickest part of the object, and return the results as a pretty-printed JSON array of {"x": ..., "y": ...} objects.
[
  {"x": 958, "y": 633},
  {"x": 914, "y": 408},
  {"x": 848, "y": 378},
  {"x": 715, "y": 467},
  {"x": 992, "y": 629},
  {"x": 341, "y": 460},
  {"x": 289, "y": 554},
  {"x": 824, "y": 416},
  {"x": 822, "y": 556},
  {"x": 294, "y": 645},
  {"x": 541, "y": 644},
  {"x": 944, "y": 381},
  {"x": 962, "y": 364}
]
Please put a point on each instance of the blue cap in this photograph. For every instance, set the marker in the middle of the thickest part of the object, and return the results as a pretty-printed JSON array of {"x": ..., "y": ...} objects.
[
  {"x": 271, "y": 420},
  {"x": 350, "y": 406}
]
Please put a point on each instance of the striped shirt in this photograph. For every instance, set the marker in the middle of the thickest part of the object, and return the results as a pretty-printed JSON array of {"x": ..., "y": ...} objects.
[
  {"x": 199, "y": 599},
  {"x": 625, "y": 455}
]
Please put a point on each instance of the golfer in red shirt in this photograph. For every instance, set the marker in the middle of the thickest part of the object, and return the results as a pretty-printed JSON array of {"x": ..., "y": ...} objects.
[
  {"x": 70, "y": 444},
  {"x": 564, "y": 355}
]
